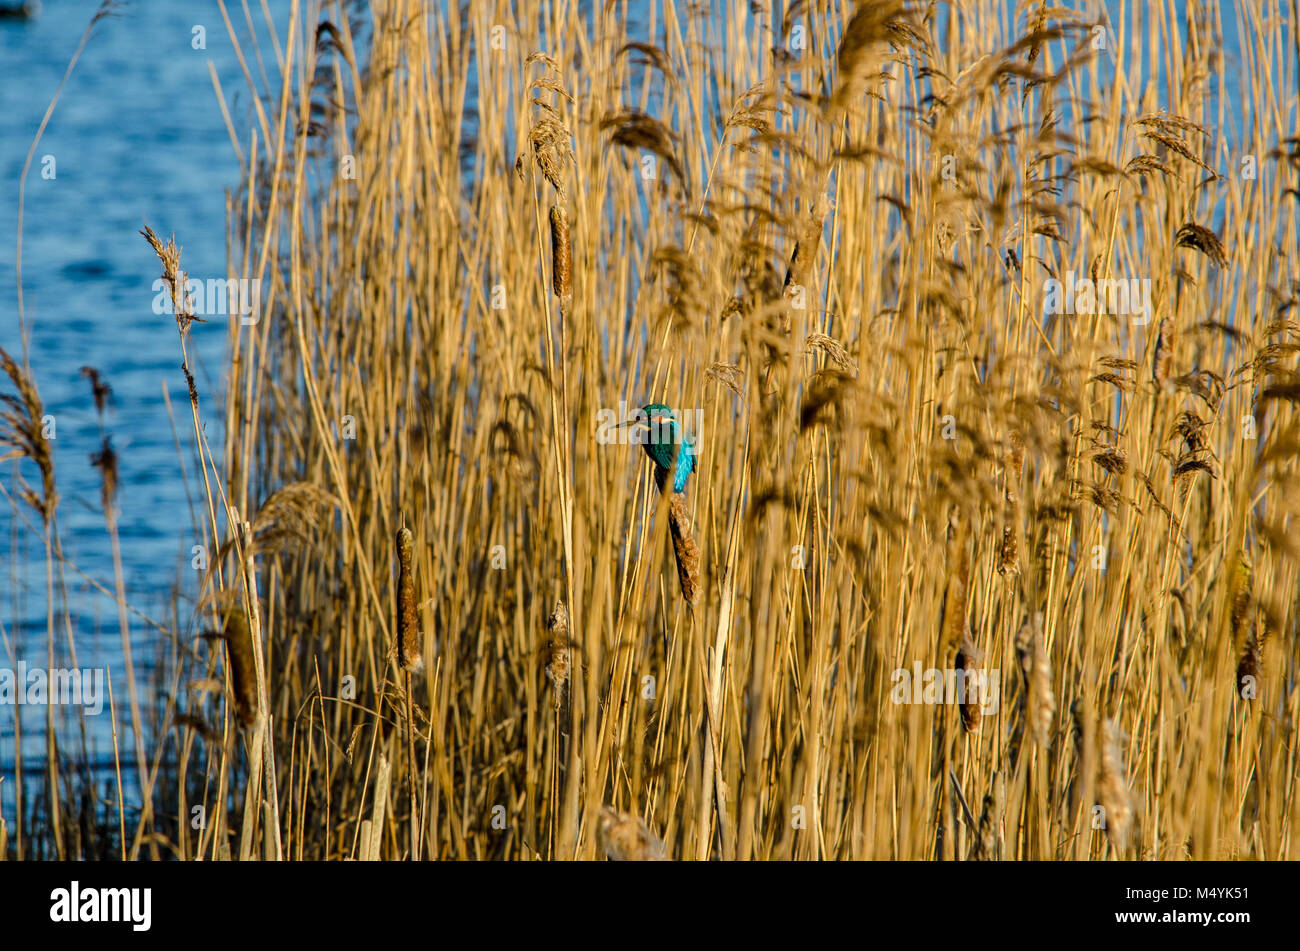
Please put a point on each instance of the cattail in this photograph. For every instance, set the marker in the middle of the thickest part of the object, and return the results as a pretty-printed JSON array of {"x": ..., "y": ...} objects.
[
  {"x": 805, "y": 248},
  {"x": 626, "y": 838},
  {"x": 410, "y": 639},
  {"x": 1085, "y": 745},
  {"x": 685, "y": 550},
  {"x": 561, "y": 253},
  {"x": 557, "y": 671},
  {"x": 969, "y": 658},
  {"x": 1015, "y": 466},
  {"x": 1013, "y": 470},
  {"x": 1009, "y": 551},
  {"x": 990, "y": 826},
  {"x": 1112, "y": 784},
  {"x": 957, "y": 590},
  {"x": 1163, "y": 361},
  {"x": 1245, "y": 641},
  {"x": 243, "y": 669},
  {"x": 1040, "y": 703}
]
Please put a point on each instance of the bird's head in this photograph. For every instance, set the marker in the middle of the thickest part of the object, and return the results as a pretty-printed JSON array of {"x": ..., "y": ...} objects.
[{"x": 656, "y": 428}]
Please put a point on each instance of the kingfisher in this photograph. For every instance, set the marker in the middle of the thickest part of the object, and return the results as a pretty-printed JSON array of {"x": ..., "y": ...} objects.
[{"x": 669, "y": 448}]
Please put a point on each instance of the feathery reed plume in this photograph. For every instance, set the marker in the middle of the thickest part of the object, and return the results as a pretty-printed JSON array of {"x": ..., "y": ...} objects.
[
  {"x": 1192, "y": 235},
  {"x": 550, "y": 137},
  {"x": 243, "y": 670},
  {"x": 626, "y": 838},
  {"x": 22, "y": 427},
  {"x": 685, "y": 551},
  {"x": 969, "y": 659},
  {"x": 561, "y": 253},
  {"x": 174, "y": 278},
  {"x": 105, "y": 460},
  {"x": 557, "y": 671},
  {"x": 410, "y": 638},
  {"x": 1040, "y": 703},
  {"x": 1112, "y": 784},
  {"x": 99, "y": 388}
]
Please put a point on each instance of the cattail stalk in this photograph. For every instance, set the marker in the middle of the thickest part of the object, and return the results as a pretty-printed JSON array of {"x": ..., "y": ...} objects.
[{"x": 557, "y": 671}]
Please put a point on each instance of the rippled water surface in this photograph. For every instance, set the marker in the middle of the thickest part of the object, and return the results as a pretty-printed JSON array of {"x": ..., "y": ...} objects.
[{"x": 136, "y": 138}]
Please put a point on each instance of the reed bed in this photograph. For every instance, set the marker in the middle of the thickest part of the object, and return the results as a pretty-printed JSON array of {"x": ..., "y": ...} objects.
[{"x": 831, "y": 232}]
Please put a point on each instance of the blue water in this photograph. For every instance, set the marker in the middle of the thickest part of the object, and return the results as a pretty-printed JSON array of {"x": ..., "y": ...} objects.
[{"x": 137, "y": 137}]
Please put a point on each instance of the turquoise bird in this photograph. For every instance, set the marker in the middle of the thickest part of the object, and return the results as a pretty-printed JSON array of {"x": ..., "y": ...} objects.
[{"x": 669, "y": 448}]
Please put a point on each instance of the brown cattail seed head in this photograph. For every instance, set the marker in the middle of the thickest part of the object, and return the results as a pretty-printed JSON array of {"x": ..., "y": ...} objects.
[
  {"x": 969, "y": 659},
  {"x": 243, "y": 669},
  {"x": 990, "y": 825},
  {"x": 561, "y": 253},
  {"x": 1009, "y": 552},
  {"x": 1245, "y": 639},
  {"x": 956, "y": 592},
  {"x": 1112, "y": 784},
  {"x": 557, "y": 671},
  {"x": 1040, "y": 703},
  {"x": 625, "y": 838},
  {"x": 685, "y": 551},
  {"x": 1162, "y": 364},
  {"x": 410, "y": 639}
]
